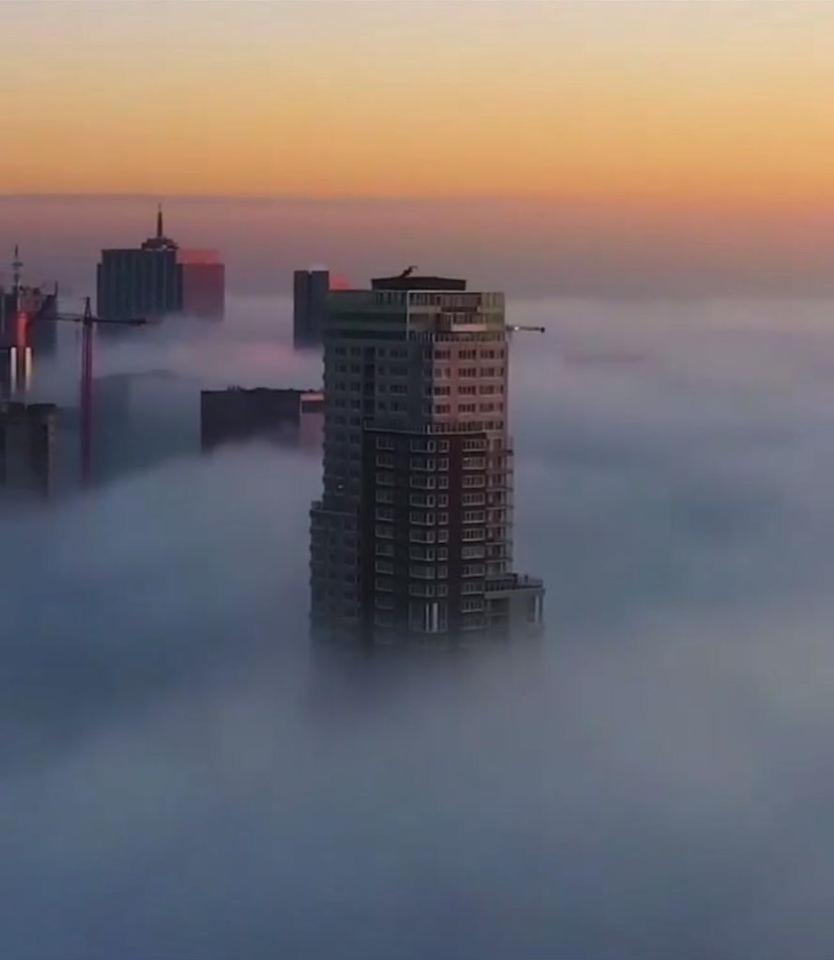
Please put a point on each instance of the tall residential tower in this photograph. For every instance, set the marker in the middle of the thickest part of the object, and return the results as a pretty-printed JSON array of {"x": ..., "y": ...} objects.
[{"x": 413, "y": 535}]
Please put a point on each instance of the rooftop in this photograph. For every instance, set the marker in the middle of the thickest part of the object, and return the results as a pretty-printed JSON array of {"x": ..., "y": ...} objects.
[{"x": 410, "y": 281}]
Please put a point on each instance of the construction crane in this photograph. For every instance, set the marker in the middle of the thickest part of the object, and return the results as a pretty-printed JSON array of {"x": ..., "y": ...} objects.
[{"x": 87, "y": 322}]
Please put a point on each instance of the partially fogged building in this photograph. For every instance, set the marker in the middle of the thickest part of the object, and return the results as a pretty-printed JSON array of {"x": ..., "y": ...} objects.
[
  {"x": 413, "y": 534},
  {"x": 27, "y": 313},
  {"x": 27, "y": 447},
  {"x": 310, "y": 292},
  {"x": 203, "y": 283},
  {"x": 237, "y": 414},
  {"x": 158, "y": 279}
]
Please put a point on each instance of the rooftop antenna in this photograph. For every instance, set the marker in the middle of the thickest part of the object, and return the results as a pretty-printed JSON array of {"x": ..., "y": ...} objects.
[
  {"x": 407, "y": 272},
  {"x": 17, "y": 267},
  {"x": 159, "y": 233}
]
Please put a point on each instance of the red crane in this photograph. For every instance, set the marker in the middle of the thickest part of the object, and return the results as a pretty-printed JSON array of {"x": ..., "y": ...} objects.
[{"x": 88, "y": 321}]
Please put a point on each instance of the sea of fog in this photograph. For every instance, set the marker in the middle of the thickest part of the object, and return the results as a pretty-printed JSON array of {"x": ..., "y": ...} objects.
[{"x": 184, "y": 776}]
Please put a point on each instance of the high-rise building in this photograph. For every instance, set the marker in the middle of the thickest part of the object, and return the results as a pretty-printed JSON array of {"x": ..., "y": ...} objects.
[
  {"x": 203, "y": 283},
  {"x": 413, "y": 534},
  {"x": 310, "y": 292},
  {"x": 27, "y": 313},
  {"x": 26, "y": 446},
  {"x": 158, "y": 279}
]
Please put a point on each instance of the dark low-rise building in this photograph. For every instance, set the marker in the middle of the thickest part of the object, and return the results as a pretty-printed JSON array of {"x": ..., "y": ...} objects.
[
  {"x": 27, "y": 434},
  {"x": 237, "y": 414}
]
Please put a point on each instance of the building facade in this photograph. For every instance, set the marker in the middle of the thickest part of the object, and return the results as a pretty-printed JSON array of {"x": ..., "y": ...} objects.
[
  {"x": 159, "y": 279},
  {"x": 413, "y": 534},
  {"x": 27, "y": 435},
  {"x": 309, "y": 304},
  {"x": 238, "y": 414},
  {"x": 27, "y": 313},
  {"x": 203, "y": 283}
]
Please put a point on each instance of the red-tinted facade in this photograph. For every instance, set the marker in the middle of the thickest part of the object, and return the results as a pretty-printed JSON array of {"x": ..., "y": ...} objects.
[{"x": 203, "y": 283}]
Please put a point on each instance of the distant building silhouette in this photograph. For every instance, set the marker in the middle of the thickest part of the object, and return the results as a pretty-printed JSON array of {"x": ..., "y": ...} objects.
[
  {"x": 237, "y": 414},
  {"x": 25, "y": 313},
  {"x": 158, "y": 279},
  {"x": 413, "y": 535},
  {"x": 310, "y": 291},
  {"x": 27, "y": 446}
]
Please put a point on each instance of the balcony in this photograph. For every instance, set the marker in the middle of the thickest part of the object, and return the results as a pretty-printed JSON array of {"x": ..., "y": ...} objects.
[{"x": 513, "y": 581}]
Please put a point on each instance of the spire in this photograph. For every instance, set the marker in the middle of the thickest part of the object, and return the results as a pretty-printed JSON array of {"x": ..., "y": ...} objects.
[
  {"x": 159, "y": 233},
  {"x": 17, "y": 266}
]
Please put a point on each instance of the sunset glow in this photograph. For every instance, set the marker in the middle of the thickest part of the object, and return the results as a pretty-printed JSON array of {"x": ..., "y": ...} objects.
[{"x": 665, "y": 103}]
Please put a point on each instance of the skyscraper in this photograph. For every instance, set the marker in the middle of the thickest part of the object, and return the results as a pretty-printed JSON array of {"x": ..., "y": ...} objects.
[
  {"x": 27, "y": 313},
  {"x": 310, "y": 291},
  {"x": 412, "y": 537},
  {"x": 158, "y": 279}
]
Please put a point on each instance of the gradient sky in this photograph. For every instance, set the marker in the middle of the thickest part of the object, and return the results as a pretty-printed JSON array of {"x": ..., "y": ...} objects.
[{"x": 670, "y": 102}]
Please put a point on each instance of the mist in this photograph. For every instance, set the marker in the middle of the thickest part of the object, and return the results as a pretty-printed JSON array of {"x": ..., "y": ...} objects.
[
  {"x": 186, "y": 774},
  {"x": 531, "y": 248}
]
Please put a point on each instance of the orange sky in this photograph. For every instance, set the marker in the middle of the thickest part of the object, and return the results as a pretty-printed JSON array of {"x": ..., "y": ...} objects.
[{"x": 671, "y": 102}]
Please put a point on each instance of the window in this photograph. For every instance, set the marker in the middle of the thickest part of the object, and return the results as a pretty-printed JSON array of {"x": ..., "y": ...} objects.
[
  {"x": 473, "y": 533},
  {"x": 474, "y": 443},
  {"x": 471, "y": 552},
  {"x": 422, "y": 482},
  {"x": 472, "y": 603}
]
